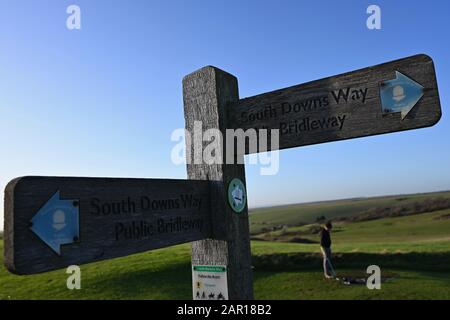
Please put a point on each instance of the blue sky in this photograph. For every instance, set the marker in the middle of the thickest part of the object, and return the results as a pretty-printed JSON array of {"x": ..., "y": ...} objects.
[{"x": 104, "y": 100}]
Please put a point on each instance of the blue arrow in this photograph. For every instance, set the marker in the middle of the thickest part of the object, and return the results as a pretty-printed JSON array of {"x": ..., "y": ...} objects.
[
  {"x": 400, "y": 94},
  {"x": 57, "y": 222}
]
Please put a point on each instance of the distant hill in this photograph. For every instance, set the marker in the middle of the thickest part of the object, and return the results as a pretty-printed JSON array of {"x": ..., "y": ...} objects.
[{"x": 273, "y": 218}]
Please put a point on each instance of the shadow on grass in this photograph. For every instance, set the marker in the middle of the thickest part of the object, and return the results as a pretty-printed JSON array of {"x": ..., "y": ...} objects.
[
  {"x": 174, "y": 282},
  {"x": 312, "y": 261}
]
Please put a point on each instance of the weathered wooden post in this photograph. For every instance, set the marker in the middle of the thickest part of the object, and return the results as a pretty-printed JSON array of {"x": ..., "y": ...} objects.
[{"x": 207, "y": 94}]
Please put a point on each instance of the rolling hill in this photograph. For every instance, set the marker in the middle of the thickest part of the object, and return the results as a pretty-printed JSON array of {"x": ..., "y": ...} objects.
[{"x": 270, "y": 218}]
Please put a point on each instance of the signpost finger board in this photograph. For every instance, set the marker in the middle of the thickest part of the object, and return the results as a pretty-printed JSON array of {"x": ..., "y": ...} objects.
[
  {"x": 53, "y": 222},
  {"x": 394, "y": 96}
]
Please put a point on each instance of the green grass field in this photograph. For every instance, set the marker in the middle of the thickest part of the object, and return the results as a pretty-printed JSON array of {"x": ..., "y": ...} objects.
[
  {"x": 412, "y": 251},
  {"x": 308, "y": 212}
]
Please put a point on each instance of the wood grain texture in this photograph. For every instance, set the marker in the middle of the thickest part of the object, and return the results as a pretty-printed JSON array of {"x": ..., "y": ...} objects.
[
  {"x": 362, "y": 118},
  {"x": 155, "y": 202},
  {"x": 207, "y": 93}
]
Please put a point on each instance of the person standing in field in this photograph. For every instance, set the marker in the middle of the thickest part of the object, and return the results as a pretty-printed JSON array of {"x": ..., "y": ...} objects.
[{"x": 325, "y": 246}]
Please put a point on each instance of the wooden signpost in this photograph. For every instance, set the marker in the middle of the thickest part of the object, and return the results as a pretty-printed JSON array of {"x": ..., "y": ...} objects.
[
  {"x": 394, "y": 96},
  {"x": 55, "y": 222},
  {"x": 52, "y": 223}
]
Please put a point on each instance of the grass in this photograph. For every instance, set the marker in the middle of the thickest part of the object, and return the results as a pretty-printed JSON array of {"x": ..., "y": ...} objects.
[
  {"x": 414, "y": 251},
  {"x": 158, "y": 274},
  {"x": 165, "y": 274},
  {"x": 309, "y": 285}
]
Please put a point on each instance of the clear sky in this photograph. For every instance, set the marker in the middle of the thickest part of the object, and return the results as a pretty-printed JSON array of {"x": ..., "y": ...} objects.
[{"x": 104, "y": 100}]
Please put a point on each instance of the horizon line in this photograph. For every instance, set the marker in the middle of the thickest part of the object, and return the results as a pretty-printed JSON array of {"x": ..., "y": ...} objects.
[{"x": 344, "y": 199}]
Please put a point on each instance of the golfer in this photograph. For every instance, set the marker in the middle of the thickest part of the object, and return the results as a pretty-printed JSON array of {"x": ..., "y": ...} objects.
[{"x": 325, "y": 246}]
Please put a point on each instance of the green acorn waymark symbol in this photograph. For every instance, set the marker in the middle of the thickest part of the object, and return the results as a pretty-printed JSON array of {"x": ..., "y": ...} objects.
[{"x": 237, "y": 196}]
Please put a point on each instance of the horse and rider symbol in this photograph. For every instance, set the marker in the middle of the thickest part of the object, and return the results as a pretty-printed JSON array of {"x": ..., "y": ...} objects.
[{"x": 211, "y": 296}]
